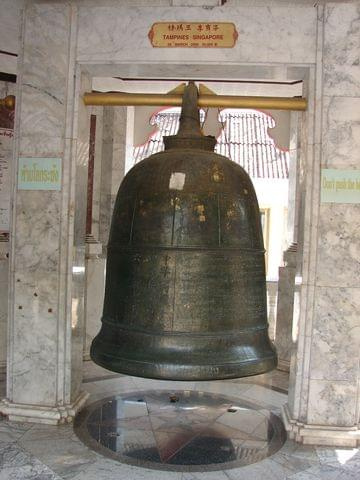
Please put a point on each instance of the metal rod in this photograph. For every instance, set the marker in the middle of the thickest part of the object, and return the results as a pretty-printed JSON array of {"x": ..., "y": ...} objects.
[{"x": 216, "y": 101}]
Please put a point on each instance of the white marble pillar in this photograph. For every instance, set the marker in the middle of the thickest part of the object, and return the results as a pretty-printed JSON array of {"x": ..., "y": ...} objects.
[
  {"x": 110, "y": 166},
  {"x": 4, "y": 271},
  {"x": 324, "y": 401},
  {"x": 287, "y": 272},
  {"x": 94, "y": 294},
  {"x": 6, "y": 147},
  {"x": 285, "y": 308},
  {"x": 271, "y": 294},
  {"x": 48, "y": 229}
]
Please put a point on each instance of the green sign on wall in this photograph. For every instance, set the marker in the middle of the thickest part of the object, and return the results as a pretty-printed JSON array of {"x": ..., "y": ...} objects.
[
  {"x": 39, "y": 174},
  {"x": 340, "y": 186}
]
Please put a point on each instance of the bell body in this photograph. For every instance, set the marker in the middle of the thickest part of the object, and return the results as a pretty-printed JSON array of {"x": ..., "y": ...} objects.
[{"x": 185, "y": 295}]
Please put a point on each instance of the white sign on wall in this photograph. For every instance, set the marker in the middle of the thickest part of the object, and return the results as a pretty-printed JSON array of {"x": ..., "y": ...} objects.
[
  {"x": 340, "y": 186},
  {"x": 39, "y": 173}
]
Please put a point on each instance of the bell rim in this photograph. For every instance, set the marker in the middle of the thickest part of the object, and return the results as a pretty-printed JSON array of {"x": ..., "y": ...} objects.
[{"x": 184, "y": 372}]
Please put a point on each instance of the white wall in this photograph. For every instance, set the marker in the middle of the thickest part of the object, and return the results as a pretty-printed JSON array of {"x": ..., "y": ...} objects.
[
  {"x": 273, "y": 194},
  {"x": 10, "y": 18}
]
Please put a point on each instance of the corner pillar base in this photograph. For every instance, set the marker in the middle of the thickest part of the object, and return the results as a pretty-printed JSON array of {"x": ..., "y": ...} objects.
[
  {"x": 18, "y": 412},
  {"x": 320, "y": 434},
  {"x": 283, "y": 365}
]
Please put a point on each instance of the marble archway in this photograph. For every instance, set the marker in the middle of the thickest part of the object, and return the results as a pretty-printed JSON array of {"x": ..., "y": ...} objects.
[{"x": 64, "y": 45}]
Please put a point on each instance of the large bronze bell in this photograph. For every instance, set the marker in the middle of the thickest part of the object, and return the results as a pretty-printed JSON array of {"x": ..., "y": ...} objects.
[{"x": 185, "y": 295}]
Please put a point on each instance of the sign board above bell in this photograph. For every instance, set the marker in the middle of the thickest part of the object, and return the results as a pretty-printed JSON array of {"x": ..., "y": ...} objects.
[{"x": 193, "y": 35}]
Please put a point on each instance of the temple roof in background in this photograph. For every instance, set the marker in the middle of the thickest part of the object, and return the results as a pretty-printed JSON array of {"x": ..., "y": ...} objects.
[{"x": 244, "y": 139}]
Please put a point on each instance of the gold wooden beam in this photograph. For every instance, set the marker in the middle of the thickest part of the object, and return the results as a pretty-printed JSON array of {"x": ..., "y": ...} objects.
[
  {"x": 217, "y": 101},
  {"x": 8, "y": 102}
]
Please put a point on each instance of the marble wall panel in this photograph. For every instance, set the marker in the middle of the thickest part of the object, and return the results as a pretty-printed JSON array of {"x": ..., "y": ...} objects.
[
  {"x": 275, "y": 34},
  {"x": 37, "y": 231},
  {"x": 43, "y": 125},
  {"x": 95, "y": 283},
  {"x": 285, "y": 306},
  {"x": 33, "y": 367},
  {"x": 119, "y": 149},
  {"x": 4, "y": 270},
  {"x": 106, "y": 175},
  {"x": 341, "y": 49},
  {"x": 44, "y": 81},
  {"x": 335, "y": 351},
  {"x": 10, "y": 25},
  {"x": 82, "y": 159},
  {"x": 77, "y": 322},
  {"x": 80, "y": 201},
  {"x": 332, "y": 403},
  {"x": 300, "y": 363},
  {"x": 195, "y": 3},
  {"x": 95, "y": 230},
  {"x": 341, "y": 132},
  {"x": 34, "y": 326},
  {"x": 338, "y": 263},
  {"x": 43, "y": 339}
]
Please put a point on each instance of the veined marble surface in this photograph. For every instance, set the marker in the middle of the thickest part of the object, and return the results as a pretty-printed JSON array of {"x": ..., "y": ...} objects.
[
  {"x": 272, "y": 34},
  {"x": 341, "y": 131},
  {"x": 45, "y": 352},
  {"x": 338, "y": 262},
  {"x": 284, "y": 316},
  {"x": 41, "y": 342},
  {"x": 341, "y": 50},
  {"x": 43, "y": 452},
  {"x": 95, "y": 284},
  {"x": 325, "y": 369}
]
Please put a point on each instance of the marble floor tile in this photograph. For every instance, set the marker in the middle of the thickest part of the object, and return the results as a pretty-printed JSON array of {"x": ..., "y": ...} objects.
[
  {"x": 93, "y": 371},
  {"x": 18, "y": 464},
  {"x": 221, "y": 475},
  {"x": 305, "y": 475},
  {"x": 268, "y": 398},
  {"x": 327, "y": 472},
  {"x": 44, "y": 452},
  {"x": 12, "y": 431},
  {"x": 106, "y": 469},
  {"x": 58, "y": 448},
  {"x": 232, "y": 389},
  {"x": 345, "y": 458},
  {"x": 293, "y": 450},
  {"x": 264, "y": 470},
  {"x": 11, "y": 455},
  {"x": 28, "y": 472},
  {"x": 149, "y": 384},
  {"x": 292, "y": 463}
]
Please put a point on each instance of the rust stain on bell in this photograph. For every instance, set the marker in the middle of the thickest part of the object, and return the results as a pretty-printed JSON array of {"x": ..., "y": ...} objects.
[{"x": 185, "y": 295}]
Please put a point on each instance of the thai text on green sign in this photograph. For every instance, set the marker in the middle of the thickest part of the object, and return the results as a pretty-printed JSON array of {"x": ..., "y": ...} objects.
[{"x": 39, "y": 174}]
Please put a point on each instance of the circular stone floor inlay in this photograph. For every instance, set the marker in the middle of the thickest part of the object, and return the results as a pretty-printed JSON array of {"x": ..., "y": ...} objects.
[{"x": 180, "y": 430}]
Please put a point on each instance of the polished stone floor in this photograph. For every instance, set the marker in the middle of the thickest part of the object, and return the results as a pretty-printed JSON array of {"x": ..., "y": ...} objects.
[
  {"x": 180, "y": 430},
  {"x": 41, "y": 452}
]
